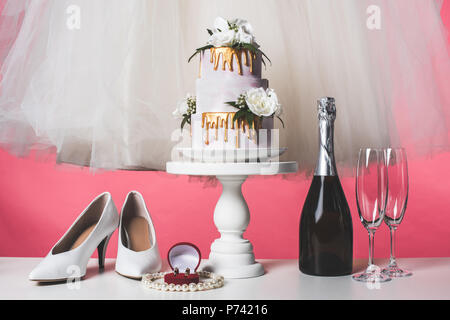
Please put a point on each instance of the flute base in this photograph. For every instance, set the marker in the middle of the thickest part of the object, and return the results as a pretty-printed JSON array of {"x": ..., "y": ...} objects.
[
  {"x": 393, "y": 271},
  {"x": 372, "y": 275}
]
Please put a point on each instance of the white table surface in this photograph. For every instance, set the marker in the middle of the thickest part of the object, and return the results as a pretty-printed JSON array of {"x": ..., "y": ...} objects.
[{"x": 282, "y": 280}]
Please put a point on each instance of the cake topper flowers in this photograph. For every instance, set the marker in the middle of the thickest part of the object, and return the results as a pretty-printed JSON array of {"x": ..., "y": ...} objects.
[
  {"x": 235, "y": 33},
  {"x": 185, "y": 109},
  {"x": 256, "y": 103},
  {"x": 228, "y": 33}
]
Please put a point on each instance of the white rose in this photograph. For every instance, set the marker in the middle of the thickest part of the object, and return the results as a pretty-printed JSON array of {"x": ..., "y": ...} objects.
[
  {"x": 258, "y": 102},
  {"x": 182, "y": 108},
  {"x": 272, "y": 98},
  {"x": 240, "y": 32},
  {"x": 244, "y": 37},
  {"x": 244, "y": 25},
  {"x": 220, "y": 24},
  {"x": 245, "y": 30},
  {"x": 224, "y": 38}
]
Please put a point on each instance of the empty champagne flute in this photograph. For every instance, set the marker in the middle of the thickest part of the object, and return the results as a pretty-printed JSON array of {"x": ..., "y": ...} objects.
[
  {"x": 397, "y": 168},
  {"x": 371, "y": 197}
]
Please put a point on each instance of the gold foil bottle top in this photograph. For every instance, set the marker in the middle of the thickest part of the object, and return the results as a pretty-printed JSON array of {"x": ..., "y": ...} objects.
[
  {"x": 327, "y": 108},
  {"x": 326, "y": 165}
]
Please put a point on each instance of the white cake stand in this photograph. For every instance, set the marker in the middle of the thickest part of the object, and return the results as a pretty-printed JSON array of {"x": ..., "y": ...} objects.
[{"x": 232, "y": 255}]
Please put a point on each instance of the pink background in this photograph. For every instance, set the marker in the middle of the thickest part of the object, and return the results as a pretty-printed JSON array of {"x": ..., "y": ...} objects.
[{"x": 39, "y": 201}]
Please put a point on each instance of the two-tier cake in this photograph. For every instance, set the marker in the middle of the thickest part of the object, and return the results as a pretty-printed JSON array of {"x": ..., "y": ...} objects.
[{"x": 233, "y": 107}]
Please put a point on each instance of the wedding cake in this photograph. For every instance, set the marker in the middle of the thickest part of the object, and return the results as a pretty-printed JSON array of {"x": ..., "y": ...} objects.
[{"x": 233, "y": 107}]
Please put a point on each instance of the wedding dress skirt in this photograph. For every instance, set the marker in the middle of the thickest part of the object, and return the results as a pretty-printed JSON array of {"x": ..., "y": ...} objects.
[{"x": 96, "y": 81}]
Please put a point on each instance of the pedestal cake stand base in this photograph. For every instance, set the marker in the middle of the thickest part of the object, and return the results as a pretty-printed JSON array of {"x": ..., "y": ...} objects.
[{"x": 231, "y": 255}]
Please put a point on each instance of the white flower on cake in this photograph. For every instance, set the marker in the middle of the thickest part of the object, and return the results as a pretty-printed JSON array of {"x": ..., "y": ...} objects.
[
  {"x": 263, "y": 103},
  {"x": 236, "y": 34},
  {"x": 254, "y": 104},
  {"x": 185, "y": 108},
  {"x": 181, "y": 109},
  {"x": 228, "y": 33}
]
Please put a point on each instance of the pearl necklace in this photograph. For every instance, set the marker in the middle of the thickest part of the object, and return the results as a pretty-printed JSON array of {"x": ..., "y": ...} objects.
[{"x": 150, "y": 280}]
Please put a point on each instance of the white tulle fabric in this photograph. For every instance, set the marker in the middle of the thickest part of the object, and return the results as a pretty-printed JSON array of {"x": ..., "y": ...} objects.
[{"x": 103, "y": 95}]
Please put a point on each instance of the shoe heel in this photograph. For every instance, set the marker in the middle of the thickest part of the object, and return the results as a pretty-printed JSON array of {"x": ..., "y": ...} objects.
[{"x": 101, "y": 249}]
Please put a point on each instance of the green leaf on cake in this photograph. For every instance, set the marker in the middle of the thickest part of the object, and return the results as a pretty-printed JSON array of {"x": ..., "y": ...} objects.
[
  {"x": 249, "y": 47},
  {"x": 252, "y": 48},
  {"x": 232, "y": 103},
  {"x": 264, "y": 63},
  {"x": 281, "y": 121},
  {"x": 185, "y": 120},
  {"x": 190, "y": 58},
  {"x": 264, "y": 55},
  {"x": 198, "y": 50},
  {"x": 238, "y": 115},
  {"x": 250, "y": 119}
]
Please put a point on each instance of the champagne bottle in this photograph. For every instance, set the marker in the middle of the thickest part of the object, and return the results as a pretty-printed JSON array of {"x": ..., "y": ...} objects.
[{"x": 326, "y": 233}]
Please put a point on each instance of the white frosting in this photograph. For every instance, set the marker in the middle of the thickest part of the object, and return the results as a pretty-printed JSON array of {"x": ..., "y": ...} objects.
[
  {"x": 213, "y": 93},
  {"x": 214, "y": 89}
]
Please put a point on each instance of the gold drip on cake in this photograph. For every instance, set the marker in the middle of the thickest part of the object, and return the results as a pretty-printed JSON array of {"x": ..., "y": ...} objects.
[
  {"x": 248, "y": 59},
  {"x": 228, "y": 55},
  {"x": 216, "y": 120}
]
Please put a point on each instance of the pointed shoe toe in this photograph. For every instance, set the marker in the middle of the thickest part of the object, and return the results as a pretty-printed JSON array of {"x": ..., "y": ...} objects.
[
  {"x": 137, "y": 252},
  {"x": 90, "y": 231}
]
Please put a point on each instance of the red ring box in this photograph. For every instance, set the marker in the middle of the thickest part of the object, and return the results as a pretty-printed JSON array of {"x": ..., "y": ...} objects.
[{"x": 183, "y": 255}]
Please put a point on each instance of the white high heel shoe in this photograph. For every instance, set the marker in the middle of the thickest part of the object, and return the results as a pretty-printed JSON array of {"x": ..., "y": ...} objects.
[
  {"x": 92, "y": 229},
  {"x": 137, "y": 251}
]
